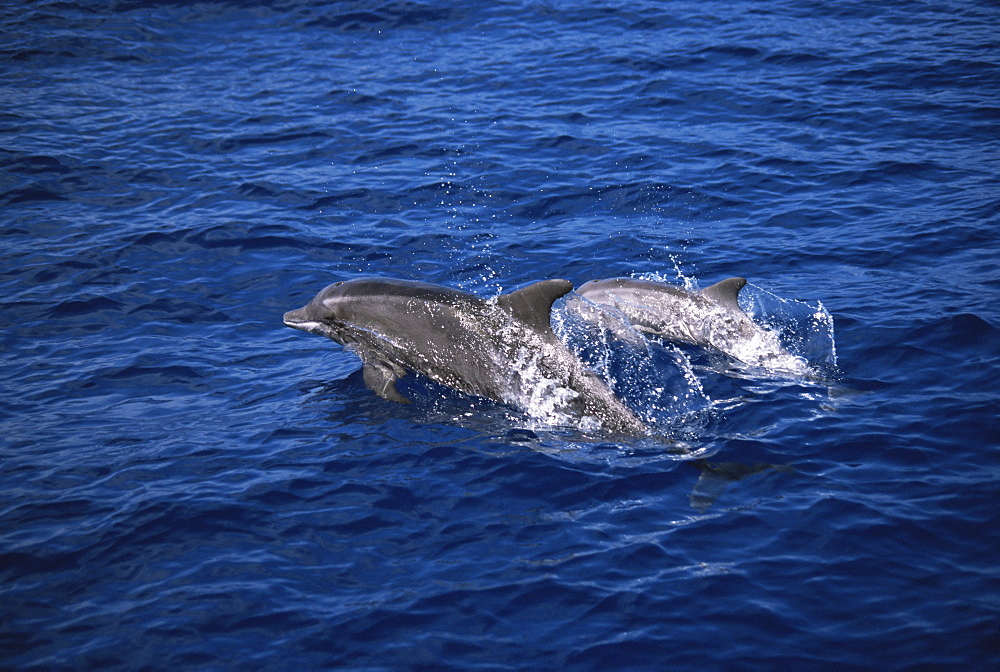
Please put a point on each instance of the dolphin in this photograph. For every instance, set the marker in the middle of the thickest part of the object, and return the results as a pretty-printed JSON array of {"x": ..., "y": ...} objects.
[
  {"x": 503, "y": 349},
  {"x": 709, "y": 317}
]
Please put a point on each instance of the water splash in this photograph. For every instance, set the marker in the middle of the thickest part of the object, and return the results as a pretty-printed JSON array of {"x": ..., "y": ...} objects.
[
  {"x": 803, "y": 329},
  {"x": 658, "y": 383},
  {"x": 544, "y": 399},
  {"x": 690, "y": 282}
]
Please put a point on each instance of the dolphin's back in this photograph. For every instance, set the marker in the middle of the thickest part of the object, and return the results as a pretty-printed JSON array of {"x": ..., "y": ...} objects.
[
  {"x": 668, "y": 310},
  {"x": 391, "y": 289}
]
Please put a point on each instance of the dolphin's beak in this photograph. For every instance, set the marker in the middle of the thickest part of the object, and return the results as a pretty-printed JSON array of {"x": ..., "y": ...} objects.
[
  {"x": 303, "y": 320},
  {"x": 297, "y": 319}
]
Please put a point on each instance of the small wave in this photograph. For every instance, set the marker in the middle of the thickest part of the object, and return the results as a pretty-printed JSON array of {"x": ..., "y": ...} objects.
[
  {"x": 78, "y": 307},
  {"x": 31, "y": 194},
  {"x": 360, "y": 18}
]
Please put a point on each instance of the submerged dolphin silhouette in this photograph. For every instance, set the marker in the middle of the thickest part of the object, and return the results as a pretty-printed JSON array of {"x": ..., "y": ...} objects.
[
  {"x": 709, "y": 317},
  {"x": 503, "y": 349}
]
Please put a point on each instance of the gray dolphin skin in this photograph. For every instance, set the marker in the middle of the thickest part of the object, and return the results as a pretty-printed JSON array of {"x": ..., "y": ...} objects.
[
  {"x": 503, "y": 349},
  {"x": 709, "y": 317}
]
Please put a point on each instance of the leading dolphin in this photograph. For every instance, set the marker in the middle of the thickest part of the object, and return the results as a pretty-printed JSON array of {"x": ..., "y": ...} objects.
[
  {"x": 503, "y": 349},
  {"x": 711, "y": 317}
]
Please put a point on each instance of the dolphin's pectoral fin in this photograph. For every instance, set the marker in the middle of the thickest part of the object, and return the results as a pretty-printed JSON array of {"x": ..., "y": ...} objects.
[
  {"x": 380, "y": 378},
  {"x": 715, "y": 478},
  {"x": 725, "y": 293},
  {"x": 532, "y": 304}
]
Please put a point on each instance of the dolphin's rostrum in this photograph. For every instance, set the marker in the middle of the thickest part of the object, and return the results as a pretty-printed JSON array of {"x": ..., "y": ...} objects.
[{"x": 502, "y": 349}]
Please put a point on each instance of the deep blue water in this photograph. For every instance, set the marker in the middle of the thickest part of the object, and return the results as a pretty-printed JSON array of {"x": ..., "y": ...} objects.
[{"x": 188, "y": 484}]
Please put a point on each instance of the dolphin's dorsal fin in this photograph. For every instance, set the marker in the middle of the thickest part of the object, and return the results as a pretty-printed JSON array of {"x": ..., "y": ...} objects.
[
  {"x": 532, "y": 304},
  {"x": 724, "y": 293}
]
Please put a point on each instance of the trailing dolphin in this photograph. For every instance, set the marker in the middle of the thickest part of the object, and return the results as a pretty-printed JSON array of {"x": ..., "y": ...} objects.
[
  {"x": 503, "y": 348},
  {"x": 710, "y": 317}
]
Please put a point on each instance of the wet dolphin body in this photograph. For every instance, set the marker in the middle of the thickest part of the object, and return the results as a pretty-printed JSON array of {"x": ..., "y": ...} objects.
[
  {"x": 503, "y": 348},
  {"x": 709, "y": 317}
]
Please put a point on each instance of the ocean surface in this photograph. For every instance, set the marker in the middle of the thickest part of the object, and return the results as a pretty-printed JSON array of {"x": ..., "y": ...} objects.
[{"x": 187, "y": 483}]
